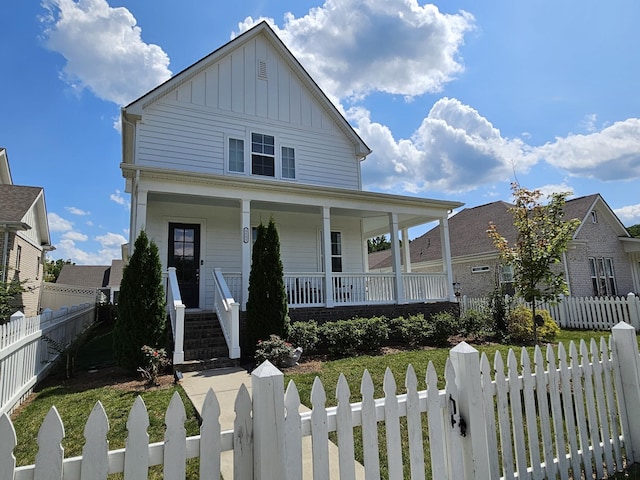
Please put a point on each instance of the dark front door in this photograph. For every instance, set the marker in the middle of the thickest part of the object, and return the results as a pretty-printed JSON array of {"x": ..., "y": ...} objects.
[{"x": 184, "y": 254}]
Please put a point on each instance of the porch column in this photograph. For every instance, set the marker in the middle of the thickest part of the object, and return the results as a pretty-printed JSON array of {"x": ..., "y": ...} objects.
[
  {"x": 406, "y": 252},
  {"x": 245, "y": 229},
  {"x": 326, "y": 241},
  {"x": 141, "y": 215},
  {"x": 446, "y": 256},
  {"x": 395, "y": 257}
]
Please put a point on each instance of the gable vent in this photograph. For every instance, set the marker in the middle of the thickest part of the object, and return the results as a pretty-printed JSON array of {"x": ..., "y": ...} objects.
[{"x": 262, "y": 69}]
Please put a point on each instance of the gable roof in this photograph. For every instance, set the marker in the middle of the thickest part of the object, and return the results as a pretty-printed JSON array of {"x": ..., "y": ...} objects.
[
  {"x": 15, "y": 202},
  {"x": 136, "y": 107},
  {"x": 468, "y": 230},
  {"x": 92, "y": 276}
]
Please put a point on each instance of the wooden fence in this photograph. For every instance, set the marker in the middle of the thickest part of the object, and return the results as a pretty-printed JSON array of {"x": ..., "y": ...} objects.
[
  {"x": 586, "y": 313},
  {"x": 565, "y": 414},
  {"x": 25, "y": 357}
]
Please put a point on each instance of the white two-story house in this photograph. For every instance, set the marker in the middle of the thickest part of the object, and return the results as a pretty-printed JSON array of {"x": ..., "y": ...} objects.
[{"x": 245, "y": 135}]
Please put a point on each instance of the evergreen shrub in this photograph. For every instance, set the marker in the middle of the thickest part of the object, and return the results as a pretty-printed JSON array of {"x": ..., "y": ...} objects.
[{"x": 520, "y": 326}]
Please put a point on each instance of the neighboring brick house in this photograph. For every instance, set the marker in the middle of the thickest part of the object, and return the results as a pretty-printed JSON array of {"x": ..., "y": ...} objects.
[
  {"x": 24, "y": 237},
  {"x": 602, "y": 258},
  {"x": 105, "y": 278}
]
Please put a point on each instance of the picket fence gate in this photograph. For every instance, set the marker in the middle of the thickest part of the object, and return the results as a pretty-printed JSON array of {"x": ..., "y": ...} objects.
[
  {"x": 585, "y": 313},
  {"x": 569, "y": 414}
]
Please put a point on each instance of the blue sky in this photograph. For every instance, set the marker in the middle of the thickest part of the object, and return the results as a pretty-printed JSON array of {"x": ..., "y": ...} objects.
[{"x": 456, "y": 99}]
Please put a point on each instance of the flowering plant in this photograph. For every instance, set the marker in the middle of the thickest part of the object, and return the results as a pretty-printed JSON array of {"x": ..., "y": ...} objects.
[
  {"x": 155, "y": 360},
  {"x": 275, "y": 349}
]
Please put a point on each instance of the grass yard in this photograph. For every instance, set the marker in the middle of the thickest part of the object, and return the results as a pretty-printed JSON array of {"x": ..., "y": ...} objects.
[{"x": 74, "y": 398}]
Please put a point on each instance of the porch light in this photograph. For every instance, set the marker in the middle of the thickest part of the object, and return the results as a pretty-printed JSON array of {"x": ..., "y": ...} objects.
[{"x": 456, "y": 289}]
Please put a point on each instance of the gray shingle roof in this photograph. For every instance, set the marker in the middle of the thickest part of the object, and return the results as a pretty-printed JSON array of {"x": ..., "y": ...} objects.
[
  {"x": 15, "y": 201},
  {"x": 468, "y": 231}
]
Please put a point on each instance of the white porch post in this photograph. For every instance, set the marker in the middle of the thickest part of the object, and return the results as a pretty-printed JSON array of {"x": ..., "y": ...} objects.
[
  {"x": 395, "y": 256},
  {"x": 326, "y": 241},
  {"x": 406, "y": 252},
  {"x": 446, "y": 256},
  {"x": 246, "y": 235},
  {"x": 141, "y": 214}
]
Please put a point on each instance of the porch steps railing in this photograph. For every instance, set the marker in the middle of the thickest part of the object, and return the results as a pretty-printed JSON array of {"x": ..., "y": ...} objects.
[{"x": 204, "y": 344}]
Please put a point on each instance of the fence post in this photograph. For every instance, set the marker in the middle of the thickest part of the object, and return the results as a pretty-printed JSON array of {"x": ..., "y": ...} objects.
[
  {"x": 267, "y": 385},
  {"x": 626, "y": 347},
  {"x": 634, "y": 310},
  {"x": 466, "y": 362}
]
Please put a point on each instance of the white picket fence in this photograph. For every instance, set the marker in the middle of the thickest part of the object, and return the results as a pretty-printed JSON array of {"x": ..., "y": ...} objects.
[
  {"x": 586, "y": 313},
  {"x": 25, "y": 357},
  {"x": 564, "y": 416}
]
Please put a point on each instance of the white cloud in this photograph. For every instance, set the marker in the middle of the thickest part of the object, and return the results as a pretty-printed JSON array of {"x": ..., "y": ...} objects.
[
  {"x": 550, "y": 189},
  {"x": 58, "y": 224},
  {"x": 75, "y": 236},
  {"x": 613, "y": 153},
  {"x": 104, "y": 49},
  {"x": 455, "y": 149},
  {"x": 629, "y": 214},
  {"x": 77, "y": 211},
  {"x": 589, "y": 122},
  {"x": 118, "y": 198},
  {"x": 111, "y": 240},
  {"x": 109, "y": 249},
  {"x": 395, "y": 46}
]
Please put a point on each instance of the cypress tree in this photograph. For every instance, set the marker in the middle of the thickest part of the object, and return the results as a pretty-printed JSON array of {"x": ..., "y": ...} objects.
[
  {"x": 267, "y": 303},
  {"x": 141, "y": 305}
]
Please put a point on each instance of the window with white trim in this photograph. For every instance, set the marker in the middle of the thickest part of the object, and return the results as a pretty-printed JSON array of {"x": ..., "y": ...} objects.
[
  {"x": 18, "y": 258},
  {"x": 480, "y": 269},
  {"x": 336, "y": 252},
  {"x": 506, "y": 274},
  {"x": 236, "y": 155},
  {"x": 263, "y": 155},
  {"x": 603, "y": 278},
  {"x": 288, "y": 162}
]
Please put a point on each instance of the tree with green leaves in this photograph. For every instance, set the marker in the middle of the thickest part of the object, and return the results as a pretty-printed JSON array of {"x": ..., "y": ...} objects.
[
  {"x": 634, "y": 230},
  {"x": 267, "y": 302},
  {"x": 10, "y": 290},
  {"x": 543, "y": 235},
  {"x": 141, "y": 316},
  {"x": 377, "y": 244},
  {"x": 52, "y": 269}
]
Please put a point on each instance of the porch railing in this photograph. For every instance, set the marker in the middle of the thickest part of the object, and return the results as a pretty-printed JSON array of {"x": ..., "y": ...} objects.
[
  {"x": 228, "y": 311},
  {"x": 308, "y": 289},
  {"x": 176, "y": 308}
]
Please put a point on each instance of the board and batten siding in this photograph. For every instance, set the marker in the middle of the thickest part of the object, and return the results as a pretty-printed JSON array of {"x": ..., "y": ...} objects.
[{"x": 187, "y": 129}]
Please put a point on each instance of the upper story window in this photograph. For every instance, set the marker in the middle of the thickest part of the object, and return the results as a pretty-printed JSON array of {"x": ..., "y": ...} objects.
[
  {"x": 236, "y": 155},
  {"x": 288, "y": 162},
  {"x": 18, "y": 257},
  {"x": 506, "y": 274},
  {"x": 594, "y": 217},
  {"x": 263, "y": 155}
]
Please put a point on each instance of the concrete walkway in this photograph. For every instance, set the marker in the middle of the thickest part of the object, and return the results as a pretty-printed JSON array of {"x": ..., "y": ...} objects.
[{"x": 225, "y": 383}]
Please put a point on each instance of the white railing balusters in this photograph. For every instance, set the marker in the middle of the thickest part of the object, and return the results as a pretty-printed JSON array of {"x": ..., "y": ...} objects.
[{"x": 176, "y": 313}]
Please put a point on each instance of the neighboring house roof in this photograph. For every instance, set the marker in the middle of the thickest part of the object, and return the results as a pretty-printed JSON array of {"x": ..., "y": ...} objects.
[
  {"x": 136, "y": 107},
  {"x": 92, "y": 276},
  {"x": 468, "y": 230},
  {"x": 15, "y": 202}
]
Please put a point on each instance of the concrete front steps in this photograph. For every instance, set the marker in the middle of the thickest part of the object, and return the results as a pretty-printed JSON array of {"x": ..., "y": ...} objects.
[{"x": 204, "y": 345}]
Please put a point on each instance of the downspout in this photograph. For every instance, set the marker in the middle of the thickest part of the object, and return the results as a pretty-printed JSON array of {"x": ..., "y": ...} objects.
[{"x": 5, "y": 252}]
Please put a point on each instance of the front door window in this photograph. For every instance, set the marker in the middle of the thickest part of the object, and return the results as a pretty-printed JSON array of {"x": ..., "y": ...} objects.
[{"x": 184, "y": 254}]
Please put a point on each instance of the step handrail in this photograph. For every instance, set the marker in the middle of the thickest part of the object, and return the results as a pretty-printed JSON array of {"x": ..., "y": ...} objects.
[
  {"x": 176, "y": 312},
  {"x": 228, "y": 311}
]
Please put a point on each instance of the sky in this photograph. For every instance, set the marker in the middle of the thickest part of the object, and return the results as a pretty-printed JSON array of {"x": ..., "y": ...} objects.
[{"x": 457, "y": 99}]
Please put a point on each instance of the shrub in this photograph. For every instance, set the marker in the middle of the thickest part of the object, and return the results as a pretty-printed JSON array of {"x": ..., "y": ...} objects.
[
  {"x": 442, "y": 325},
  {"x": 413, "y": 330},
  {"x": 275, "y": 349},
  {"x": 477, "y": 324},
  {"x": 305, "y": 335},
  {"x": 155, "y": 362},
  {"x": 355, "y": 336},
  {"x": 520, "y": 326}
]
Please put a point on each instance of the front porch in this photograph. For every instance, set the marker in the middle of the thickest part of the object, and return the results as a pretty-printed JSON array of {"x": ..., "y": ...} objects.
[{"x": 315, "y": 291}]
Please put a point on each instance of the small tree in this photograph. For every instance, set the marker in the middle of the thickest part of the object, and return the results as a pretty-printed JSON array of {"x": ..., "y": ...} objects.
[
  {"x": 543, "y": 235},
  {"x": 52, "y": 269},
  {"x": 267, "y": 303},
  {"x": 10, "y": 290},
  {"x": 141, "y": 305}
]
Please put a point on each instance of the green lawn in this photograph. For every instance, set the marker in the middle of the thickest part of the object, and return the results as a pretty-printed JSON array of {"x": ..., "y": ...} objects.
[{"x": 75, "y": 406}]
